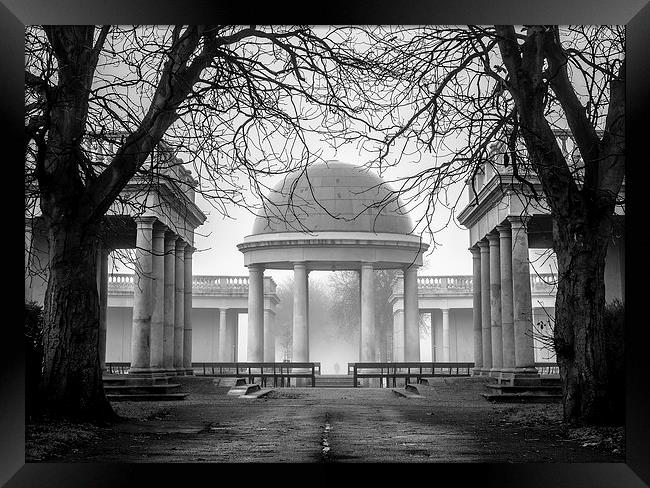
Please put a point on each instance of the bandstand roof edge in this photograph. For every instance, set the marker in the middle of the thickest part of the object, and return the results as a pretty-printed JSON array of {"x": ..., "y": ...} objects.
[{"x": 333, "y": 250}]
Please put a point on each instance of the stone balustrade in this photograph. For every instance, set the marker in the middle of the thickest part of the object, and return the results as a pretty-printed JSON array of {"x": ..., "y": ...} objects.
[
  {"x": 453, "y": 285},
  {"x": 122, "y": 283}
]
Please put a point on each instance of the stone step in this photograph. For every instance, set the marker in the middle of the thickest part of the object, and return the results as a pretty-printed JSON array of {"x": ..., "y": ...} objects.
[
  {"x": 141, "y": 389},
  {"x": 147, "y": 397},
  {"x": 532, "y": 389},
  {"x": 244, "y": 389},
  {"x": 123, "y": 379},
  {"x": 407, "y": 392},
  {"x": 522, "y": 398},
  {"x": 334, "y": 381}
]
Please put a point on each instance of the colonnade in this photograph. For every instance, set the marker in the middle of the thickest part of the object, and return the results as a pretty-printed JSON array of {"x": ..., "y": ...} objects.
[
  {"x": 503, "y": 325},
  {"x": 161, "y": 340},
  {"x": 260, "y": 320}
]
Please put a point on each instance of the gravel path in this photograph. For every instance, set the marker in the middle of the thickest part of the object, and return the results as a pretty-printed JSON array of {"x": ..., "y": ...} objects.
[{"x": 452, "y": 423}]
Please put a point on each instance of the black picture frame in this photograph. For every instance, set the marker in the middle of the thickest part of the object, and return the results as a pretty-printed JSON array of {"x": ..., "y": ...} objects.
[{"x": 15, "y": 14}]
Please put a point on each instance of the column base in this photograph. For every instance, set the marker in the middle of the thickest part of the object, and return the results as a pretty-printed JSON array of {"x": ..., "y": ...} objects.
[
  {"x": 147, "y": 373},
  {"x": 495, "y": 372},
  {"x": 519, "y": 378}
]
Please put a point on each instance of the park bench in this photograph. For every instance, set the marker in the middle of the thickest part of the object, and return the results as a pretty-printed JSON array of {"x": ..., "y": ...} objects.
[
  {"x": 387, "y": 372},
  {"x": 280, "y": 373}
]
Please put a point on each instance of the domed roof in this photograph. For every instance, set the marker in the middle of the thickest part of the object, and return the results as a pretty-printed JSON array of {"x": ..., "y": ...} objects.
[{"x": 333, "y": 196}]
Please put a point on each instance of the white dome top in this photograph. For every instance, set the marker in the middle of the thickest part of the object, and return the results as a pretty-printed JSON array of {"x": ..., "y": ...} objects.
[{"x": 333, "y": 196}]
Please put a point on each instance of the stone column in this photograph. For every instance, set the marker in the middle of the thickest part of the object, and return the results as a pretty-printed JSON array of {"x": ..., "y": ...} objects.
[
  {"x": 398, "y": 336},
  {"x": 507, "y": 326},
  {"x": 495, "y": 304},
  {"x": 521, "y": 298},
  {"x": 187, "y": 310},
  {"x": 445, "y": 334},
  {"x": 142, "y": 297},
  {"x": 103, "y": 306},
  {"x": 486, "y": 333},
  {"x": 269, "y": 336},
  {"x": 224, "y": 347},
  {"x": 432, "y": 324},
  {"x": 476, "y": 309},
  {"x": 300, "y": 325},
  {"x": 255, "y": 346},
  {"x": 411, "y": 316},
  {"x": 158, "y": 300},
  {"x": 169, "y": 301},
  {"x": 368, "y": 332},
  {"x": 179, "y": 305}
]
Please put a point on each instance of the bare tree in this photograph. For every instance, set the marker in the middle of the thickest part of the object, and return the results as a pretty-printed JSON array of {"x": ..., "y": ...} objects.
[
  {"x": 237, "y": 101},
  {"x": 458, "y": 99}
]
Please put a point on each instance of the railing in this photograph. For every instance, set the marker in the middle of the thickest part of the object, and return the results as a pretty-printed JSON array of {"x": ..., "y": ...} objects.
[
  {"x": 201, "y": 285},
  {"x": 547, "y": 368},
  {"x": 539, "y": 283},
  {"x": 117, "y": 367},
  {"x": 407, "y": 370},
  {"x": 280, "y": 372}
]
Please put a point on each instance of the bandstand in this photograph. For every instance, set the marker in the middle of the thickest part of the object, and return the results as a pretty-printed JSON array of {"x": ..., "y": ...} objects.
[{"x": 332, "y": 217}]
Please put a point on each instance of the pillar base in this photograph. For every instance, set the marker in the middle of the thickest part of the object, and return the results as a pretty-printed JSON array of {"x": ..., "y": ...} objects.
[
  {"x": 495, "y": 372},
  {"x": 519, "y": 378},
  {"x": 147, "y": 373}
]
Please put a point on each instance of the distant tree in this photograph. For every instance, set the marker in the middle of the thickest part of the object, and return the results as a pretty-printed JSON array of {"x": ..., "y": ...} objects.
[{"x": 344, "y": 290}]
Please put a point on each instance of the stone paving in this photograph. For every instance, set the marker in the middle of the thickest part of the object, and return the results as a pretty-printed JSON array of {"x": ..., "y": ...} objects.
[{"x": 452, "y": 423}]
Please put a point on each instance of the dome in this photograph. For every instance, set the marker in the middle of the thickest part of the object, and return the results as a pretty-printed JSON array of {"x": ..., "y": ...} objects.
[{"x": 332, "y": 196}]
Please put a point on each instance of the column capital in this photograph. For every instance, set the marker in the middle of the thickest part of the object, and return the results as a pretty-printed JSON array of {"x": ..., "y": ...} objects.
[
  {"x": 256, "y": 268},
  {"x": 180, "y": 244},
  {"x": 366, "y": 264},
  {"x": 474, "y": 250},
  {"x": 484, "y": 245},
  {"x": 503, "y": 230},
  {"x": 299, "y": 264},
  {"x": 159, "y": 229},
  {"x": 518, "y": 221},
  {"x": 445, "y": 310},
  {"x": 493, "y": 238},
  {"x": 189, "y": 250},
  {"x": 145, "y": 221}
]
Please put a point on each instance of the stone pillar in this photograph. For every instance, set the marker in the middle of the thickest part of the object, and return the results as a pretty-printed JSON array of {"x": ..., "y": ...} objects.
[
  {"x": 368, "y": 332},
  {"x": 179, "y": 305},
  {"x": 103, "y": 306},
  {"x": 142, "y": 297},
  {"x": 156, "y": 361},
  {"x": 187, "y": 310},
  {"x": 476, "y": 309},
  {"x": 445, "y": 334},
  {"x": 224, "y": 347},
  {"x": 521, "y": 298},
  {"x": 495, "y": 304},
  {"x": 432, "y": 324},
  {"x": 255, "y": 346},
  {"x": 269, "y": 336},
  {"x": 169, "y": 301},
  {"x": 398, "y": 336},
  {"x": 411, "y": 316},
  {"x": 507, "y": 326},
  {"x": 300, "y": 319},
  {"x": 486, "y": 333}
]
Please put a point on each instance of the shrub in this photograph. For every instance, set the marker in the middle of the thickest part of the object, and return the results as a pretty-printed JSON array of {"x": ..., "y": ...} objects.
[{"x": 33, "y": 333}]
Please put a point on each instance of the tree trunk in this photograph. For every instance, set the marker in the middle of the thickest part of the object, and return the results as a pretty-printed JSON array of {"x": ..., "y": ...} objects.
[
  {"x": 580, "y": 337},
  {"x": 72, "y": 380}
]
